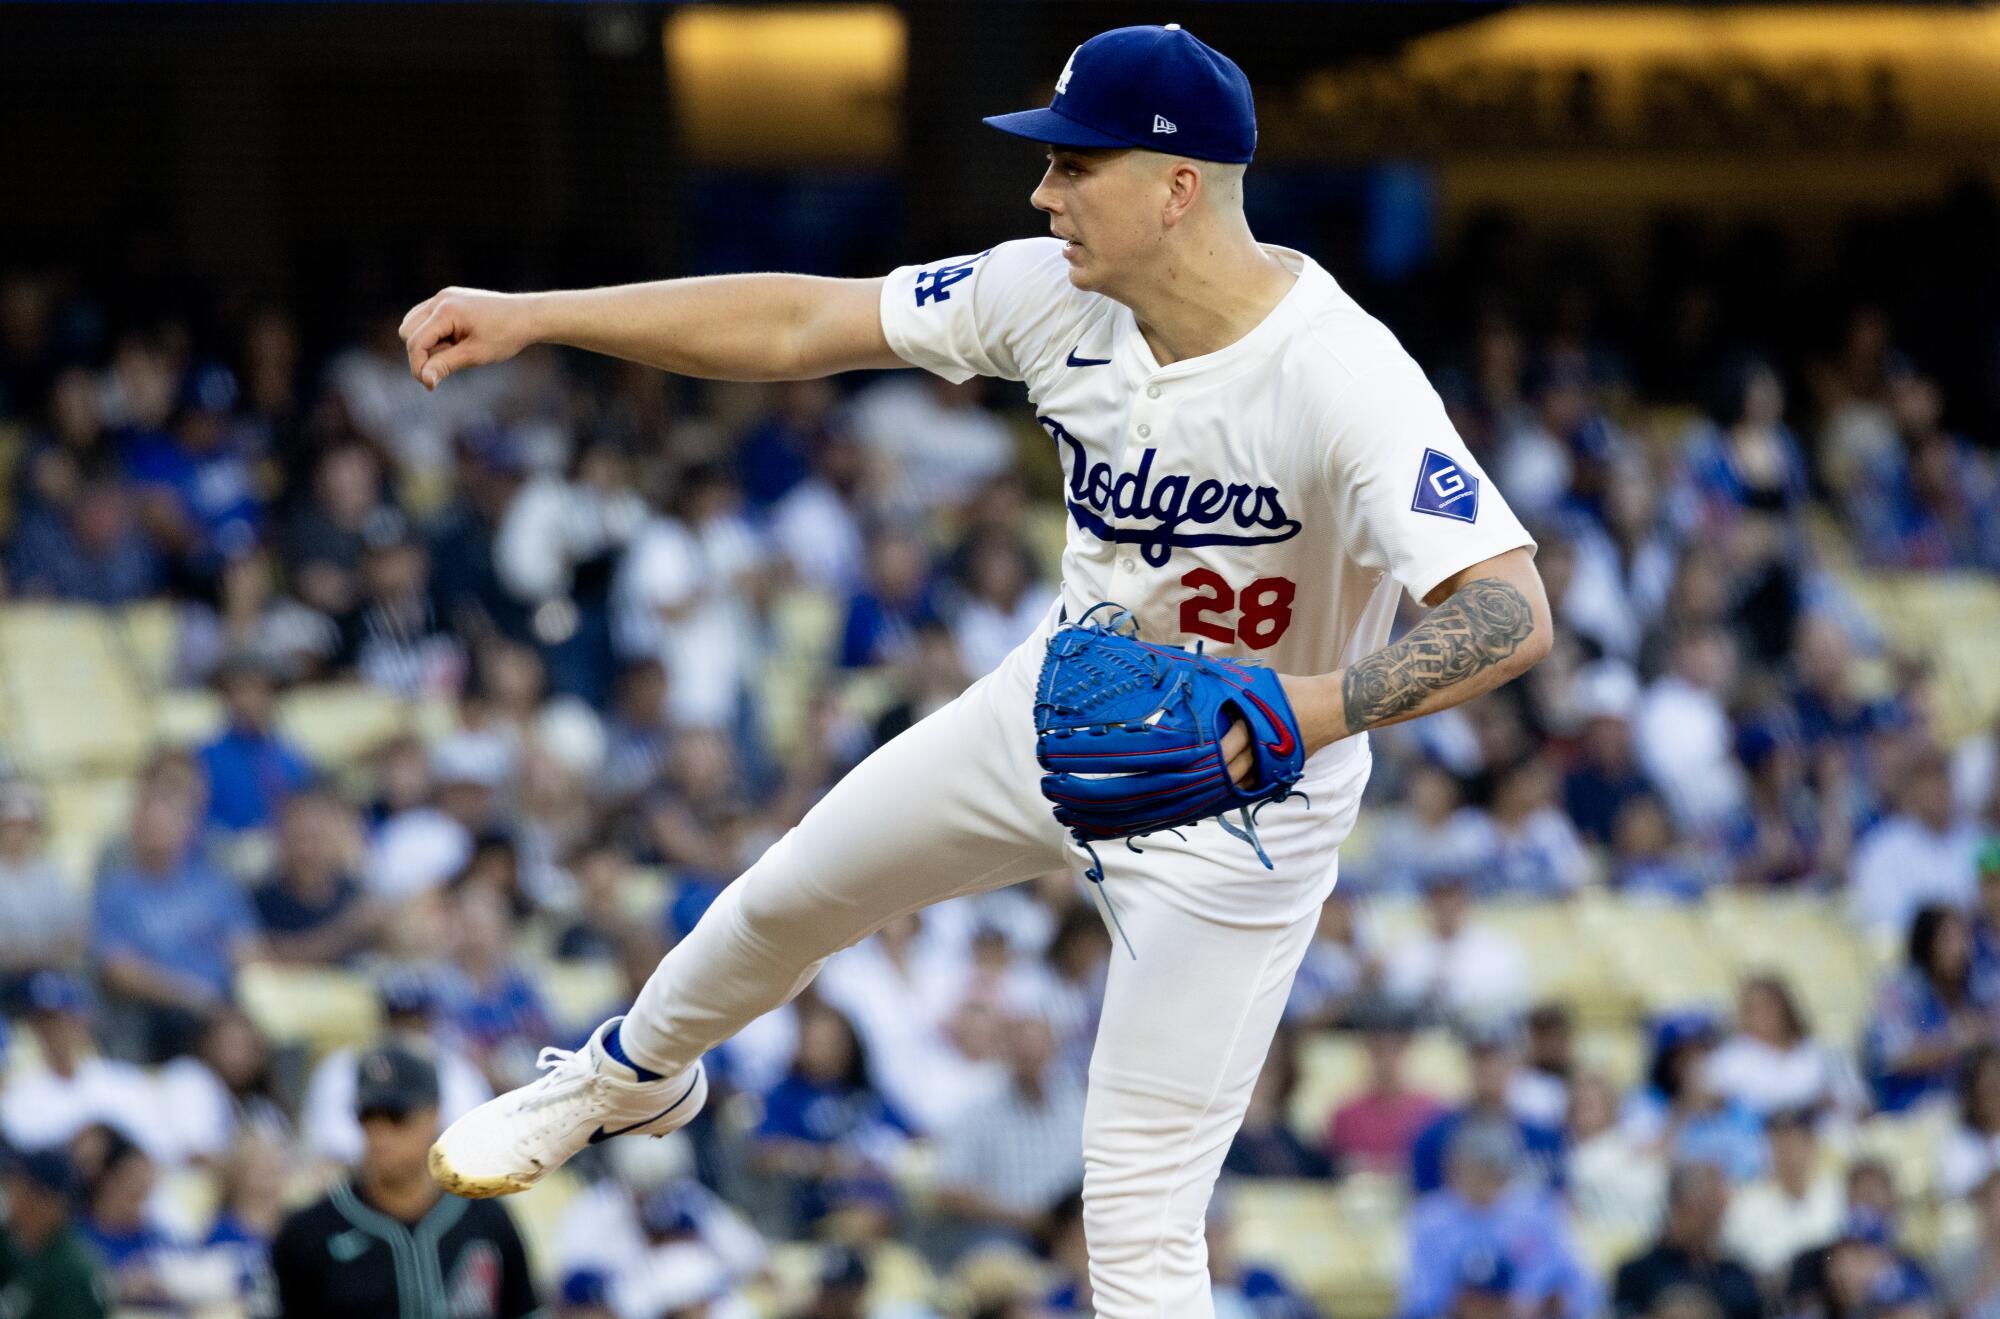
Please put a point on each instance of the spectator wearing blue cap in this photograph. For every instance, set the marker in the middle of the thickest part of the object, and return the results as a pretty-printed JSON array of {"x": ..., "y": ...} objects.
[
  {"x": 199, "y": 482},
  {"x": 583, "y": 1294},
  {"x": 1488, "y": 1206},
  {"x": 43, "y": 919},
  {"x": 1683, "y": 1113},
  {"x": 46, "y": 1269},
  {"x": 75, "y": 1085}
]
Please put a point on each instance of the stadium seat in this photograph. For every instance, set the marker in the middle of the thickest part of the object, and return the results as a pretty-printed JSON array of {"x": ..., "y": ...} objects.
[
  {"x": 1333, "y": 1067},
  {"x": 1908, "y": 1144},
  {"x": 76, "y": 706},
  {"x": 339, "y": 723},
  {"x": 150, "y": 631},
  {"x": 1828, "y": 965},
  {"x": 85, "y": 814},
  {"x": 1351, "y": 1267},
  {"x": 1565, "y": 963},
  {"x": 1617, "y": 1053},
  {"x": 187, "y": 717},
  {"x": 318, "y": 1007},
  {"x": 1664, "y": 957},
  {"x": 580, "y": 993}
]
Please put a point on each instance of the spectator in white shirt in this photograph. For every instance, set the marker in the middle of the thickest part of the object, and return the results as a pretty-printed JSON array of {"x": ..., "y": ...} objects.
[
  {"x": 1455, "y": 969},
  {"x": 1536, "y": 851},
  {"x": 44, "y": 921},
  {"x": 1773, "y": 1064},
  {"x": 556, "y": 523},
  {"x": 1009, "y": 1159},
  {"x": 897, "y": 990},
  {"x": 930, "y": 443},
  {"x": 1614, "y": 1178},
  {"x": 816, "y": 526},
  {"x": 410, "y": 1011},
  {"x": 1970, "y": 1152},
  {"x": 1002, "y": 604},
  {"x": 75, "y": 1087},
  {"x": 1798, "y": 1205},
  {"x": 1916, "y": 857},
  {"x": 1683, "y": 734},
  {"x": 687, "y": 593}
]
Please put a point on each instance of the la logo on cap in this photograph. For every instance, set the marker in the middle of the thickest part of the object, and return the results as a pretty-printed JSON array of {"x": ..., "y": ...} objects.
[{"x": 1069, "y": 65}]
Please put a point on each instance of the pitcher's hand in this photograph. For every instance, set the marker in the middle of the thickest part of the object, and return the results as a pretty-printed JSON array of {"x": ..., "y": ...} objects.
[{"x": 458, "y": 328}]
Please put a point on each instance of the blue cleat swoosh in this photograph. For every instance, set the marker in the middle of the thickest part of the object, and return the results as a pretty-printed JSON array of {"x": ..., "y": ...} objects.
[
  {"x": 1074, "y": 360},
  {"x": 601, "y": 1135}
]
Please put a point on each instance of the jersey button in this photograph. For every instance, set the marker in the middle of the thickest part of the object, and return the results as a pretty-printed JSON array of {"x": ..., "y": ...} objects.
[
  {"x": 1152, "y": 391},
  {"x": 1144, "y": 430},
  {"x": 1129, "y": 564}
]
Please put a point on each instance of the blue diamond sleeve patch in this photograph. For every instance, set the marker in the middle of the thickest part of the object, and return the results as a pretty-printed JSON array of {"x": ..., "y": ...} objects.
[{"x": 1446, "y": 490}]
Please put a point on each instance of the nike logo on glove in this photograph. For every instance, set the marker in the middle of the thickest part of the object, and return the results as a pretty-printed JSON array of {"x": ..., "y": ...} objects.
[
  {"x": 600, "y": 1135},
  {"x": 1074, "y": 360},
  {"x": 1283, "y": 746}
]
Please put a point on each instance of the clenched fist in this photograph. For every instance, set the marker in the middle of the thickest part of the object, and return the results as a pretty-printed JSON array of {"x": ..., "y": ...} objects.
[{"x": 457, "y": 328}]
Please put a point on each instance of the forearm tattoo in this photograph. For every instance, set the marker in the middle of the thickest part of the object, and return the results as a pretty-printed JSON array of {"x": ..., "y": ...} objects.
[{"x": 1482, "y": 624}]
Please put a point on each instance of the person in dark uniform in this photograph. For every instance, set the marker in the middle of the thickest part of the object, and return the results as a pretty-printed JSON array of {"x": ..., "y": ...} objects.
[
  {"x": 46, "y": 1270},
  {"x": 386, "y": 1241}
]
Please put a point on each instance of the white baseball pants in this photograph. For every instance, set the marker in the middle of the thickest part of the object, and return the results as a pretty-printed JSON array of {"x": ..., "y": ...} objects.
[{"x": 954, "y": 806}]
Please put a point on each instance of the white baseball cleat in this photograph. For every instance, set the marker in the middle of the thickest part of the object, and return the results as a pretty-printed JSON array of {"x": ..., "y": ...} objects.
[{"x": 509, "y": 1143}]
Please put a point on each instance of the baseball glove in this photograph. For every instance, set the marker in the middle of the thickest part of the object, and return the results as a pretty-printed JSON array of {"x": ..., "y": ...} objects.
[{"x": 1131, "y": 735}]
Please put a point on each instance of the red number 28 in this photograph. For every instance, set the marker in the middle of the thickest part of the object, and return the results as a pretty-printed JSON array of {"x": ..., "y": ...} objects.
[{"x": 1265, "y": 613}]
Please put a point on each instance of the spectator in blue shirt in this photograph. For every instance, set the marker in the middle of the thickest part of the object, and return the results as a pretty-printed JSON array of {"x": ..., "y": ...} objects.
[
  {"x": 1605, "y": 775},
  {"x": 92, "y": 552},
  {"x": 493, "y": 1003},
  {"x": 1928, "y": 1015},
  {"x": 825, "y": 1120},
  {"x": 1495, "y": 1064},
  {"x": 882, "y": 618},
  {"x": 251, "y": 769},
  {"x": 168, "y": 929},
  {"x": 206, "y": 508},
  {"x": 1681, "y": 1110},
  {"x": 1488, "y": 1210}
]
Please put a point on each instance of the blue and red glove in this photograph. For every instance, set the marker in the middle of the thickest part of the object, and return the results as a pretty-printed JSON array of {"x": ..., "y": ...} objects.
[{"x": 1131, "y": 735}]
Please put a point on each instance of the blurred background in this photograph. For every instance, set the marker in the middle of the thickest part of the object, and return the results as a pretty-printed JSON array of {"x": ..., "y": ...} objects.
[{"x": 1664, "y": 982}]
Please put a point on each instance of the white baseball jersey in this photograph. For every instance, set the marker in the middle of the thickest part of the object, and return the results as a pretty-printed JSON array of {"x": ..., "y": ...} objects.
[{"x": 1270, "y": 500}]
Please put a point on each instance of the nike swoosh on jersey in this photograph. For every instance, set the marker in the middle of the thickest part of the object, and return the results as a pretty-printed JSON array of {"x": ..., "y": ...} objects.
[
  {"x": 1074, "y": 360},
  {"x": 601, "y": 1134}
]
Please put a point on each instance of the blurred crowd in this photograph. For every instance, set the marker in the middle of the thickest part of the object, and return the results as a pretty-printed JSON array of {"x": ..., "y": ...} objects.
[{"x": 664, "y": 616}]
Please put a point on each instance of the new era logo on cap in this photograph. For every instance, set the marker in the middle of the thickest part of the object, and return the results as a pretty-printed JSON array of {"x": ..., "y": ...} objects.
[
  {"x": 1446, "y": 490},
  {"x": 1162, "y": 124}
]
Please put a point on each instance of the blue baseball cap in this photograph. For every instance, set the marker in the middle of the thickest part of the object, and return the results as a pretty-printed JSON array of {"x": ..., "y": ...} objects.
[{"x": 1155, "y": 87}]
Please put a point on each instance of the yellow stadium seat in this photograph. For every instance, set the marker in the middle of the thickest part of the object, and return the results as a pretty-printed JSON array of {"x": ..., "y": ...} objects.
[
  {"x": 150, "y": 631},
  {"x": 580, "y": 993},
  {"x": 1828, "y": 964},
  {"x": 76, "y": 706},
  {"x": 1333, "y": 1068},
  {"x": 85, "y": 814},
  {"x": 1908, "y": 1144},
  {"x": 1665, "y": 957},
  {"x": 805, "y": 627},
  {"x": 319, "y": 1007},
  {"x": 1617, "y": 1053},
  {"x": 1351, "y": 1267},
  {"x": 187, "y": 717},
  {"x": 1605, "y": 1246},
  {"x": 644, "y": 895},
  {"x": 1566, "y": 963},
  {"x": 339, "y": 723}
]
